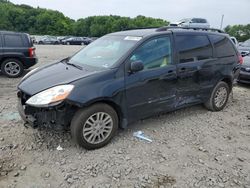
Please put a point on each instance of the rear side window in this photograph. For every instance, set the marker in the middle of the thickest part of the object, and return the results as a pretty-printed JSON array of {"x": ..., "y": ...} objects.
[
  {"x": 193, "y": 48},
  {"x": 223, "y": 47},
  {"x": 11, "y": 40},
  {"x": 197, "y": 20}
]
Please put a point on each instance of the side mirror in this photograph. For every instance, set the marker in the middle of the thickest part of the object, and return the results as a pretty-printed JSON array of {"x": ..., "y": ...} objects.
[{"x": 136, "y": 66}]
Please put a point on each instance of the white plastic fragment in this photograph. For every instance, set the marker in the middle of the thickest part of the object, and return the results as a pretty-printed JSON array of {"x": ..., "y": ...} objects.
[
  {"x": 59, "y": 148},
  {"x": 140, "y": 135}
]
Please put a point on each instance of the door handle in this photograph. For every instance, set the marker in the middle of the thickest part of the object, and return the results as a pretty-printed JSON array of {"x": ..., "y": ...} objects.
[{"x": 183, "y": 69}]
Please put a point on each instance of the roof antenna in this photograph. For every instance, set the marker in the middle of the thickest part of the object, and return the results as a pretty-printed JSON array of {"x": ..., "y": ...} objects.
[{"x": 222, "y": 20}]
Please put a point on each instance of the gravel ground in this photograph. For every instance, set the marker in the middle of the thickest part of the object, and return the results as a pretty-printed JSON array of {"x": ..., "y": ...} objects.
[{"x": 191, "y": 147}]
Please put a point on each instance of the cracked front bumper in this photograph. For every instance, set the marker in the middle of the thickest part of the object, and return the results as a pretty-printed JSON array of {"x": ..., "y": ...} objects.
[{"x": 55, "y": 117}]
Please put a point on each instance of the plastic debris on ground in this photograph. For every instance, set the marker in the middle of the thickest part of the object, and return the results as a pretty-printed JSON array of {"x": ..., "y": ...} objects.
[
  {"x": 142, "y": 136},
  {"x": 59, "y": 148}
]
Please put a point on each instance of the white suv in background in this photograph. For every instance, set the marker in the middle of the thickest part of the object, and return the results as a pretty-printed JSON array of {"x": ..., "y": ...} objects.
[{"x": 192, "y": 22}]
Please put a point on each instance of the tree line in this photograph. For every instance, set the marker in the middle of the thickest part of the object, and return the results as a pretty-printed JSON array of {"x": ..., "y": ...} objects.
[
  {"x": 40, "y": 21},
  {"x": 241, "y": 32}
]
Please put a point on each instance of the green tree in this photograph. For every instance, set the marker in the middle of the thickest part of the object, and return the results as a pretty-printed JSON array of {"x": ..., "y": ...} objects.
[
  {"x": 241, "y": 32},
  {"x": 24, "y": 18}
]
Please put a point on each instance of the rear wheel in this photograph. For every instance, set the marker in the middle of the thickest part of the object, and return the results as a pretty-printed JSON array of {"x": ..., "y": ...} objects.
[
  {"x": 94, "y": 126},
  {"x": 219, "y": 97},
  {"x": 12, "y": 68}
]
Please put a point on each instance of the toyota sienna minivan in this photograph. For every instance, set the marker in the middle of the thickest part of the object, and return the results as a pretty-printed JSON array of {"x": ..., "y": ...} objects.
[{"x": 127, "y": 76}]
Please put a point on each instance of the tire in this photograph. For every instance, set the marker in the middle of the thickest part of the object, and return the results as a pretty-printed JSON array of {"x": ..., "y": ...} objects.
[
  {"x": 219, "y": 97},
  {"x": 12, "y": 68},
  {"x": 85, "y": 121},
  {"x": 68, "y": 43}
]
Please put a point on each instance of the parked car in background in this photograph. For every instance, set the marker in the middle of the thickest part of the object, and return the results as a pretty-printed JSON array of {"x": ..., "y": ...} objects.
[
  {"x": 16, "y": 53},
  {"x": 61, "y": 38},
  {"x": 244, "y": 76},
  {"x": 48, "y": 40},
  {"x": 235, "y": 41},
  {"x": 192, "y": 22},
  {"x": 77, "y": 41},
  {"x": 244, "y": 47},
  {"x": 87, "y": 40},
  {"x": 127, "y": 76}
]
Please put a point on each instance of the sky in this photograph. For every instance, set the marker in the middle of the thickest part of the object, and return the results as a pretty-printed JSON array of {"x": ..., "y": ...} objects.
[{"x": 234, "y": 11}]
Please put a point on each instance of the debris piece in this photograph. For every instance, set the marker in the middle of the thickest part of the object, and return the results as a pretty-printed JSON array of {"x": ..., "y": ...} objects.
[
  {"x": 141, "y": 135},
  {"x": 59, "y": 148}
]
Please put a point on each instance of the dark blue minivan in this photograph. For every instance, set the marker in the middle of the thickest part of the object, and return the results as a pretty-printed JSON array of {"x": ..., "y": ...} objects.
[{"x": 127, "y": 76}]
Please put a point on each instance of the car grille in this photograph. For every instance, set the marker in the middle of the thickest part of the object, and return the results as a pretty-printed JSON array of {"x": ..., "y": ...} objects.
[
  {"x": 23, "y": 96},
  {"x": 245, "y": 69}
]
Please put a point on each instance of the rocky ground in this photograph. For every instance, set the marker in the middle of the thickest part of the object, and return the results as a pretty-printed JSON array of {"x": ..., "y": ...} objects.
[{"x": 191, "y": 147}]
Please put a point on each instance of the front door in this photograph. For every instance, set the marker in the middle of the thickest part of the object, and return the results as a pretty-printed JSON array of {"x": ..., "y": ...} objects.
[{"x": 151, "y": 90}]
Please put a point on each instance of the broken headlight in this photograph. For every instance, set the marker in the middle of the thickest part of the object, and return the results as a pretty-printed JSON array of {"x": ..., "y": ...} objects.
[{"x": 50, "y": 96}]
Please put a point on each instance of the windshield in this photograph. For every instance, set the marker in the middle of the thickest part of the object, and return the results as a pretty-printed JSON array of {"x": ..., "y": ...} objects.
[{"x": 105, "y": 52}]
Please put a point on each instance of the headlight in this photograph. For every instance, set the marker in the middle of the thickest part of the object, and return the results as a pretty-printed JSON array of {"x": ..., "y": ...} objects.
[{"x": 50, "y": 96}]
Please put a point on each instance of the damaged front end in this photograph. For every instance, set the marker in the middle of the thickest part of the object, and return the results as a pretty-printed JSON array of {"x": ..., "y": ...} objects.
[{"x": 57, "y": 116}]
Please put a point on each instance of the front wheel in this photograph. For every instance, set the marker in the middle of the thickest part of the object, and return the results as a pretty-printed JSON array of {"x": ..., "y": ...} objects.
[
  {"x": 219, "y": 97},
  {"x": 95, "y": 126}
]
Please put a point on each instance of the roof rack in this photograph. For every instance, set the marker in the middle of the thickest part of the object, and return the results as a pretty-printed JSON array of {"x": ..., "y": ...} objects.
[
  {"x": 165, "y": 28},
  {"x": 134, "y": 28}
]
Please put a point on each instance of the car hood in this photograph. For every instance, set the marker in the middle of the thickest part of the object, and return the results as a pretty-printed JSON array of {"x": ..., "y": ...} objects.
[
  {"x": 244, "y": 48},
  {"x": 176, "y": 22},
  {"x": 52, "y": 75},
  {"x": 246, "y": 61}
]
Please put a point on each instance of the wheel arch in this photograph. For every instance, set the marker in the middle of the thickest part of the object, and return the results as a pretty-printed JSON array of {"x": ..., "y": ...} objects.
[
  {"x": 118, "y": 109},
  {"x": 10, "y": 57},
  {"x": 229, "y": 81},
  {"x": 115, "y": 106}
]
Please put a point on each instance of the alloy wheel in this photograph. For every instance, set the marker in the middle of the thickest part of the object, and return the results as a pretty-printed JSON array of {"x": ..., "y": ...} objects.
[
  {"x": 97, "y": 128},
  {"x": 12, "y": 68}
]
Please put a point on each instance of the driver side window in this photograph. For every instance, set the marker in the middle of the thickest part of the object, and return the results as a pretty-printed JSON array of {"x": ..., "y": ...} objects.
[{"x": 154, "y": 53}]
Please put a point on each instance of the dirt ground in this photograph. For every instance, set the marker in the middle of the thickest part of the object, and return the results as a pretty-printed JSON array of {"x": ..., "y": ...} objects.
[{"x": 191, "y": 147}]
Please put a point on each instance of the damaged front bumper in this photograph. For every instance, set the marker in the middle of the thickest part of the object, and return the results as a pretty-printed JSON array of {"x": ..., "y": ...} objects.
[{"x": 58, "y": 117}]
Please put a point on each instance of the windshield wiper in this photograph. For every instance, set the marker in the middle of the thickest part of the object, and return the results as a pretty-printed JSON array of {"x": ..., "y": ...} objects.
[{"x": 72, "y": 64}]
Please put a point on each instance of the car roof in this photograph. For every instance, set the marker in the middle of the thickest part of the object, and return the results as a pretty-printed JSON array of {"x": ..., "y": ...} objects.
[
  {"x": 135, "y": 32},
  {"x": 11, "y": 32},
  {"x": 165, "y": 30}
]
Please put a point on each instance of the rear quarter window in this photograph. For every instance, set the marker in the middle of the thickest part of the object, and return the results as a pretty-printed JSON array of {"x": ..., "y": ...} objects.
[
  {"x": 193, "y": 47},
  {"x": 27, "y": 40},
  {"x": 223, "y": 47},
  {"x": 13, "y": 40}
]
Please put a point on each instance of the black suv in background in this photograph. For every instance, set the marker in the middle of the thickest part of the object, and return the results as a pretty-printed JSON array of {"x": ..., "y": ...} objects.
[
  {"x": 127, "y": 76},
  {"x": 16, "y": 53}
]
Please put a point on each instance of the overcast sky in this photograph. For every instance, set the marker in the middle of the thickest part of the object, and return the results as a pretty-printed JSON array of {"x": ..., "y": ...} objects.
[{"x": 235, "y": 11}]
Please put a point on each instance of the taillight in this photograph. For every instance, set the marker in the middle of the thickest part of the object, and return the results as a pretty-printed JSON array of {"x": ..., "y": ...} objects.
[
  {"x": 240, "y": 59},
  {"x": 31, "y": 52}
]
